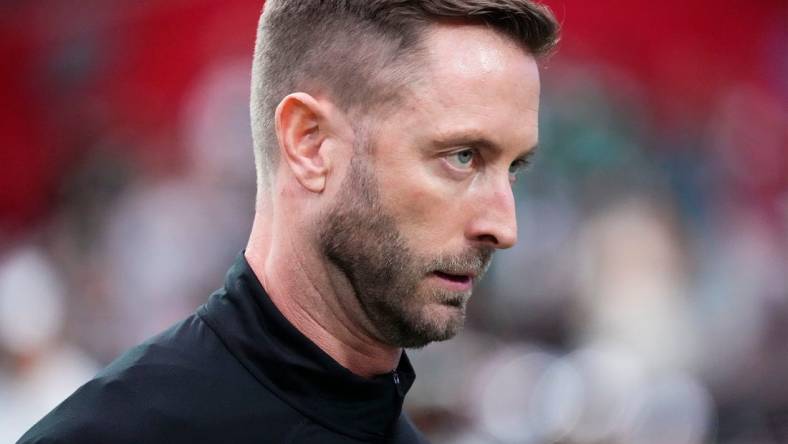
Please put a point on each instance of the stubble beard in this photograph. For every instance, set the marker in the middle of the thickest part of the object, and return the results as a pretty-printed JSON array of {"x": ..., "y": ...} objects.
[{"x": 364, "y": 243}]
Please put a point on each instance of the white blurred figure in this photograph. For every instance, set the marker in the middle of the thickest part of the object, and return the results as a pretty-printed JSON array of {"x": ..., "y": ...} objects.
[
  {"x": 672, "y": 410},
  {"x": 633, "y": 286},
  {"x": 613, "y": 398},
  {"x": 168, "y": 243},
  {"x": 215, "y": 126},
  {"x": 607, "y": 379},
  {"x": 558, "y": 400},
  {"x": 165, "y": 247},
  {"x": 44, "y": 369},
  {"x": 744, "y": 266},
  {"x": 636, "y": 329},
  {"x": 525, "y": 395},
  {"x": 520, "y": 397}
]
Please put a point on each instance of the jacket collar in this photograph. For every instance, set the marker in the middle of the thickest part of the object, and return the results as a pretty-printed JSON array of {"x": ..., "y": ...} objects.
[{"x": 297, "y": 370}]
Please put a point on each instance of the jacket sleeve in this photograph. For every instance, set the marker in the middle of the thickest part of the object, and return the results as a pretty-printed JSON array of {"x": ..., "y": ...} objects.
[{"x": 93, "y": 414}]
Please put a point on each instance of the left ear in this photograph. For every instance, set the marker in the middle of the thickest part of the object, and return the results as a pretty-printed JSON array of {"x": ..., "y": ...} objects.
[{"x": 301, "y": 131}]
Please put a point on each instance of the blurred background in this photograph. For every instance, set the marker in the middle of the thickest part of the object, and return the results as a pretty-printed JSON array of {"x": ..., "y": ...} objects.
[{"x": 647, "y": 299}]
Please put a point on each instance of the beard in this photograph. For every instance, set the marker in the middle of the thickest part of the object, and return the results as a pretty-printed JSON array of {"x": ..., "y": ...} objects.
[{"x": 365, "y": 244}]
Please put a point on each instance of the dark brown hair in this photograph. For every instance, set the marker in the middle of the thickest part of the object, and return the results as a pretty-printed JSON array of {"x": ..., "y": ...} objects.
[{"x": 356, "y": 51}]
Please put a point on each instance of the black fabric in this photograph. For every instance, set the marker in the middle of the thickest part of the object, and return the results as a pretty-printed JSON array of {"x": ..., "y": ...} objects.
[{"x": 236, "y": 371}]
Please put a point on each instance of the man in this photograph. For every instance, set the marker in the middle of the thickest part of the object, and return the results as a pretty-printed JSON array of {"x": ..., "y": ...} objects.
[{"x": 387, "y": 136}]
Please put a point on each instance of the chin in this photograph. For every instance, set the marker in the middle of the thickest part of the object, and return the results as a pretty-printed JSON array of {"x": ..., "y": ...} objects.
[{"x": 435, "y": 323}]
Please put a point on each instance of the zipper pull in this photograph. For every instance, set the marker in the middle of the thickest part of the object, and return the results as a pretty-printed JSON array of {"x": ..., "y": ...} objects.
[{"x": 395, "y": 375}]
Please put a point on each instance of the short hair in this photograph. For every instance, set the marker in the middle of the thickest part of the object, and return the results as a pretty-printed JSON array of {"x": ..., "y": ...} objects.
[{"x": 353, "y": 51}]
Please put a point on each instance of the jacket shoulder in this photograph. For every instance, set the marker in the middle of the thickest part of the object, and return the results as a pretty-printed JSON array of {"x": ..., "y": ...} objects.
[{"x": 180, "y": 386}]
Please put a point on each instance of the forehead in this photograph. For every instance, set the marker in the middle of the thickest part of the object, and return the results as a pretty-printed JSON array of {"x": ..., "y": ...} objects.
[
  {"x": 467, "y": 51},
  {"x": 476, "y": 79}
]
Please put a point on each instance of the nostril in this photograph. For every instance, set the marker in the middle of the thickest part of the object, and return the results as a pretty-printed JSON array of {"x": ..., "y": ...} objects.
[{"x": 489, "y": 238}]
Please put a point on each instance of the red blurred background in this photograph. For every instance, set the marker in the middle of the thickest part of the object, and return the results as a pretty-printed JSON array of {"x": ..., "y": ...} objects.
[{"x": 129, "y": 64}]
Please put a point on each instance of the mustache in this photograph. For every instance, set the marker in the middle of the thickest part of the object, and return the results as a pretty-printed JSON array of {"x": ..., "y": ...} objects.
[{"x": 475, "y": 261}]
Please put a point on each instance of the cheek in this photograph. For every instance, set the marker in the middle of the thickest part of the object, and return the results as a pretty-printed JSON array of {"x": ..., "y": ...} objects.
[{"x": 427, "y": 210}]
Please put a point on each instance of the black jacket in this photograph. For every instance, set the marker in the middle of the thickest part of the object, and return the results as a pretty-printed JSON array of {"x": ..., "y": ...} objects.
[{"x": 234, "y": 372}]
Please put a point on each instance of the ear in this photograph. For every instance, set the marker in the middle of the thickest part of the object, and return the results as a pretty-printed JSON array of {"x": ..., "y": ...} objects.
[{"x": 301, "y": 130}]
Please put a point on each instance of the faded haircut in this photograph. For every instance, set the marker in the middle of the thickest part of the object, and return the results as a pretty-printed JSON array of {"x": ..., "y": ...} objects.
[{"x": 358, "y": 52}]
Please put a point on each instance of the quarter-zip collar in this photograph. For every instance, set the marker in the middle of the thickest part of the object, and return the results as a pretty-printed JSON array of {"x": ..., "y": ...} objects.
[{"x": 295, "y": 369}]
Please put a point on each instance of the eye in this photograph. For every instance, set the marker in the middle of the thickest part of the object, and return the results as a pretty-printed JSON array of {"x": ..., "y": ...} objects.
[
  {"x": 462, "y": 159},
  {"x": 515, "y": 168}
]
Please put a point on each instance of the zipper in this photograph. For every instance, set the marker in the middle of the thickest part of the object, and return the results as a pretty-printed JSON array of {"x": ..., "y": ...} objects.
[{"x": 395, "y": 376}]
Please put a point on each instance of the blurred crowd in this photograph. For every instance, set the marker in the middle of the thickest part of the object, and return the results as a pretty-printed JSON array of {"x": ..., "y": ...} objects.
[{"x": 646, "y": 301}]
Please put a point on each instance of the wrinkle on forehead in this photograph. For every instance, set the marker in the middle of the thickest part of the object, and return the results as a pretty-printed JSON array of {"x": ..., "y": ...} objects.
[
  {"x": 474, "y": 51},
  {"x": 470, "y": 64},
  {"x": 462, "y": 52}
]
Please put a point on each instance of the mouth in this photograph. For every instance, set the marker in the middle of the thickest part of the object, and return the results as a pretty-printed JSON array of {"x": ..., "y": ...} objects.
[
  {"x": 459, "y": 278},
  {"x": 455, "y": 281}
]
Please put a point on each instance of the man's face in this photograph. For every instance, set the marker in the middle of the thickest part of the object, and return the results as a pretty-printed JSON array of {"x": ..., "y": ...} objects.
[{"x": 428, "y": 197}]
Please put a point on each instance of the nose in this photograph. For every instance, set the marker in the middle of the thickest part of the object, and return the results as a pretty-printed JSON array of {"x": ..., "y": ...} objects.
[{"x": 494, "y": 221}]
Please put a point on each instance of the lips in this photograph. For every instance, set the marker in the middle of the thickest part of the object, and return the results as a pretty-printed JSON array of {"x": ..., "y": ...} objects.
[
  {"x": 458, "y": 285},
  {"x": 458, "y": 278}
]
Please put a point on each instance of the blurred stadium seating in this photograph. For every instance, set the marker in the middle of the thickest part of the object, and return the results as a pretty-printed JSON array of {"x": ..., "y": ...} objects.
[{"x": 646, "y": 302}]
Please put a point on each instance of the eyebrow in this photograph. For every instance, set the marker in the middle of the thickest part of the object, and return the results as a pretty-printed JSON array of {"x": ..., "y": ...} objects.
[
  {"x": 481, "y": 143},
  {"x": 529, "y": 154}
]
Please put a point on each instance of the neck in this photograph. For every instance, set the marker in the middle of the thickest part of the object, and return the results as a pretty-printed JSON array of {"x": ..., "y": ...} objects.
[{"x": 324, "y": 310}]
